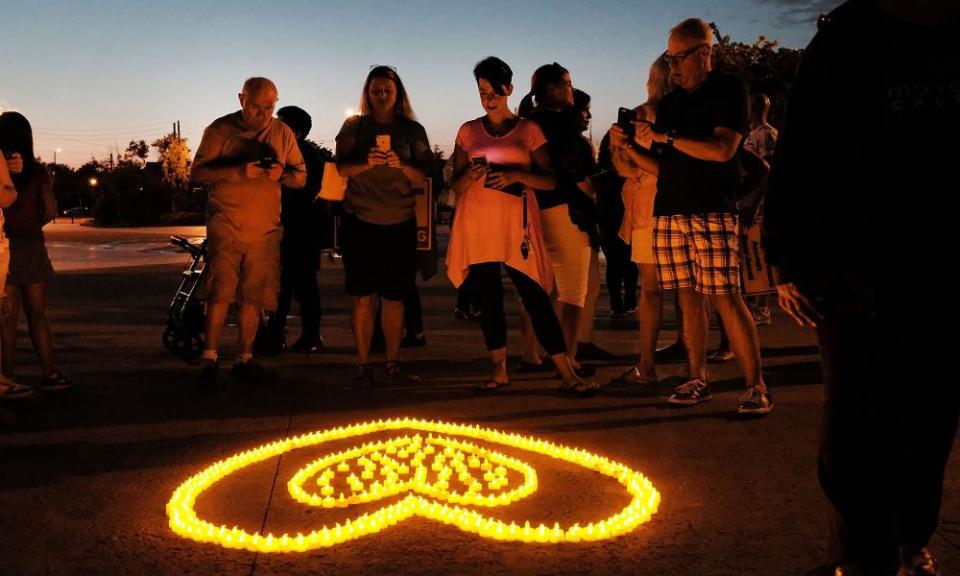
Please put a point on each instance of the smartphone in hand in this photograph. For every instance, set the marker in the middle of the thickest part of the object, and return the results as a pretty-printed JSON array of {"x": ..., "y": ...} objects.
[
  {"x": 267, "y": 162},
  {"x": 383, "y": 142},
  {"x": 625, "y": 119}
]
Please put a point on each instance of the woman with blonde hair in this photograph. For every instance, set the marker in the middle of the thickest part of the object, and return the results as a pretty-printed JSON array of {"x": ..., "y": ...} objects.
[
  {"x": 639, "y": 168},
  {"x": 385, "y": 154}
]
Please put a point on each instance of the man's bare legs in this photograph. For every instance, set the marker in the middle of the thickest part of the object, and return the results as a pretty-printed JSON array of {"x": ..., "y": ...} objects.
[
  {"x": 249, "y": 318},
  {"x": 213, "y": 324},
  {"x": 742, "y": 332},
  {"x": 695, "y": 324}
]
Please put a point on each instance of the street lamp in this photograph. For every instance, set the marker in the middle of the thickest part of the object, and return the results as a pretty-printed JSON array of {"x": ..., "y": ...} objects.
[
  {"x": 53, "y": 177},
  {"x": 93, "y": 185}
]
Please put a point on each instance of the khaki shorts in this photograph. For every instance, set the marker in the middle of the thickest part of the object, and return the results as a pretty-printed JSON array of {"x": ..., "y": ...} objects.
[
  {"x": 641, "y": 246},
  {"x": 248, "y": 272}
]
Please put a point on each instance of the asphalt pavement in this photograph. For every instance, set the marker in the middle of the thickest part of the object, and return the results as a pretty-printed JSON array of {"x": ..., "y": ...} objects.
[{"x": 86, "y": 474}]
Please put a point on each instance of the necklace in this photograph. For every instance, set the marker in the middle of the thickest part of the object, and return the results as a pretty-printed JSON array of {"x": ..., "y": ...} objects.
[{"x": 499, "y": 129}]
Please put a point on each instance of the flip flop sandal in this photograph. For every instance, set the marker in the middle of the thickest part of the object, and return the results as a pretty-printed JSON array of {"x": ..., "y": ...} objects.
[
  {"x": 491, "y": 385},
  {"x": 584, "y": 371},
  {"x": 11, "y": 390},
  {"x": 586, "y": 389},
  {"x": 720, "y": 356}
]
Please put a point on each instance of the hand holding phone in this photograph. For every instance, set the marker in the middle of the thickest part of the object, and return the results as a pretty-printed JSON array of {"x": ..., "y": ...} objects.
[
  {"x": 14, "y": 163},
  {"x": 383, "y": 142},
  {"x": 376, "y": 157},
  {"x": 504, "y": 179},
  {"x": 391, "y": 159},
  {"x": 478, "y": 168},
  {"x": 267, "y": 162},
  {"x": 625, "y": 119}
]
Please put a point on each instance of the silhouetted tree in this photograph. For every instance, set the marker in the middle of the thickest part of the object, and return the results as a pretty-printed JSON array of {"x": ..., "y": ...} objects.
[
  {"x": 136, "y": 153},
  {"x": 764, "y": 65}
]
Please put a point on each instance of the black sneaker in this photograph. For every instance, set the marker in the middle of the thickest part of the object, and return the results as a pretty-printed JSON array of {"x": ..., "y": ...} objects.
[
  {"x": 363, "y": 380},
  {"x": 251, "y": 372},
  {"x": 691, "y": 392},
  {"x": 754, "y": 401},
  {"x": 414, "y": 341},
  {"x": 208, "y": 375},
  {"x": 56, "y": 381},
  {"x": 307, "y": 345}
]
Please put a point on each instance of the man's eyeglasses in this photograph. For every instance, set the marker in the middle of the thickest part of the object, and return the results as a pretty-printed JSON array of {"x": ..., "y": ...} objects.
[{"x": 677, "y": 59}]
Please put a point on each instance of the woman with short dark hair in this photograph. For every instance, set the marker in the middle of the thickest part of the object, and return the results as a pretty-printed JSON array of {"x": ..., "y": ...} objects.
[{"x": 498, "y": 161}]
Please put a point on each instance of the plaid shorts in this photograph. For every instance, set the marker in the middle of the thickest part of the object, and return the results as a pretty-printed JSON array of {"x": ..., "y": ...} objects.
[{"x": 700, "y": 251}]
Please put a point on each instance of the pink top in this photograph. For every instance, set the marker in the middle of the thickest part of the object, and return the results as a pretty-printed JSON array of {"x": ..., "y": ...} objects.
[{"x": 488, "y": 225}]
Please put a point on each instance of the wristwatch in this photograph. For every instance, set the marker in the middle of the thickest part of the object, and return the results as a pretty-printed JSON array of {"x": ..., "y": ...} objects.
[{"x": 671, "y": 136}]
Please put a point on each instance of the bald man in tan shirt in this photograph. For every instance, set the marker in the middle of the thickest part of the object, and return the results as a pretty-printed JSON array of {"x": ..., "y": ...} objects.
[{"x": 245, "y": 156}]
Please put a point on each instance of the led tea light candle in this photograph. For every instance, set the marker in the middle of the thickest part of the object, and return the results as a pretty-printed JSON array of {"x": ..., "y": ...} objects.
[{"x": 433, "y": 499}]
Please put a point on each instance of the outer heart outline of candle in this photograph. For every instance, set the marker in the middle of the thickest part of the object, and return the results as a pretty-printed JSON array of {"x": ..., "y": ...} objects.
[{"x": 183, "y": 519}]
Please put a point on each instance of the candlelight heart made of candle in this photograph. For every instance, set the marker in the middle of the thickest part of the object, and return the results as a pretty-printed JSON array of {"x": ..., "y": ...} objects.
[{"x": 423, "y": 468}]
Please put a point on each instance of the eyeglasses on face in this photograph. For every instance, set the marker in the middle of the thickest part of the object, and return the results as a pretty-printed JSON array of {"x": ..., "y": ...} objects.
[{"x": 677, "y": 59}]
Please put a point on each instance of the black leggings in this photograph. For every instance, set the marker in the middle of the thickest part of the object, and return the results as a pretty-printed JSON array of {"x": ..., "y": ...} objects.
[{"x": 486, "y": 284}]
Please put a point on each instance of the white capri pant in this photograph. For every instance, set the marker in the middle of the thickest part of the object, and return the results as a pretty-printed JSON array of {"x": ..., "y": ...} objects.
[{"x": 570, "y": 253}]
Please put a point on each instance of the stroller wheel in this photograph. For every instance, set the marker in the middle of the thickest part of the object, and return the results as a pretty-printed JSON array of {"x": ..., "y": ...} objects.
[
  {"x": 170, "y": 340},
  {"x": 190, "y": 348}
]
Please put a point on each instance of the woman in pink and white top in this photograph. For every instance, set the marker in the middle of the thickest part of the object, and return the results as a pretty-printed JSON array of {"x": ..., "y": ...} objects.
[{"x": 498, "y": 161}]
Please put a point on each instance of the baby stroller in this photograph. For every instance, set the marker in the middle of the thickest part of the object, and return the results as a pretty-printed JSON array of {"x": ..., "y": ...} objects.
[{"x": 184, "y": 333}]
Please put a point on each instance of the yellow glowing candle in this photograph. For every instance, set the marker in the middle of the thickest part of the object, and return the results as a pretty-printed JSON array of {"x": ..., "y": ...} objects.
[{"x": 435, "y": 501}]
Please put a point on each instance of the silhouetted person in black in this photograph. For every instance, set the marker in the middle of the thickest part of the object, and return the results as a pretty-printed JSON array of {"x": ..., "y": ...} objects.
[
  {"x": 622, "y": 273},
  {"x": 301, "y": 216},
  {"x": 859, "y": 228}
]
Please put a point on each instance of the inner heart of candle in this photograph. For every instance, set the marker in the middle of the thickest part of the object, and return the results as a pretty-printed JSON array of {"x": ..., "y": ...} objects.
[{"x": 442, "y": 468}]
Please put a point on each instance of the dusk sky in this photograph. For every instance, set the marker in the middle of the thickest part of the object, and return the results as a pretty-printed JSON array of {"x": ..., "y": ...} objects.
[{"x": 91, "y": 76}]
